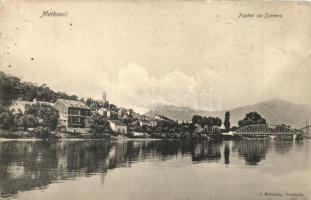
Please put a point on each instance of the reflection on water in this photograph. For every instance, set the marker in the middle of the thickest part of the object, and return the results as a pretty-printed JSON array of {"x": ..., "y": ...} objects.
[
  {"x": 27, "y": 166},
  {"x": 252, "y": 151},
  {"x": 206, "y": 151},
  {"x": 227, "y": 154}
]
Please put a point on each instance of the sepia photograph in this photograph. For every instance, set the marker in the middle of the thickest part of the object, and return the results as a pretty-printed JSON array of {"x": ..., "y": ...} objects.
[{"x": 155, "y": 100}]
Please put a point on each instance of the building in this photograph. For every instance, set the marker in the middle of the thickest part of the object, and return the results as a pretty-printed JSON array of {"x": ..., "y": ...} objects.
[
  {"x": 118, "y": 126},
  {"x": 108, "y": 113},
  {"x": 21, "y": 106},
  {"x": 138, "y": 134},
  {"x": 103, "y": 103},
  {"x": 72, "y": 115},
  {"x": 150, "y": 123},
  {"x": 105, "y": 112},
  {"x": 161, "y": 117}
]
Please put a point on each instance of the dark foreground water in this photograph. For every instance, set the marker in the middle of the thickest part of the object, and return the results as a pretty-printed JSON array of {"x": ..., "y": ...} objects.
[{"x": 155, "y": 170}]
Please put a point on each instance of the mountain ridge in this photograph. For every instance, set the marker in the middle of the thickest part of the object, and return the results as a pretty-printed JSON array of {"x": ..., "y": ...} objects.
[{"x": 276, "y": 111}]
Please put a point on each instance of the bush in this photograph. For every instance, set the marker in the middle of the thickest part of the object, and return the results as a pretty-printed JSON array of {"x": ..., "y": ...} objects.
[
  {"x": 42, "y": 132},
  {"x": 44, "y": 113}
]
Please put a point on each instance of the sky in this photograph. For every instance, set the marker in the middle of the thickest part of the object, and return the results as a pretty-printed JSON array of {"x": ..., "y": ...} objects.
[{"x": 198, "y": 54}]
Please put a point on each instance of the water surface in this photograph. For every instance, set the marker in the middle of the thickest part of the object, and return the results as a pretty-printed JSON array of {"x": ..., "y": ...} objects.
[{"x": 143, "y": 170}]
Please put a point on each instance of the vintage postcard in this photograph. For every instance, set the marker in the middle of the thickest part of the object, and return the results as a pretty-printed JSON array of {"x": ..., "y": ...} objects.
[{"x": 155, "y": 100}]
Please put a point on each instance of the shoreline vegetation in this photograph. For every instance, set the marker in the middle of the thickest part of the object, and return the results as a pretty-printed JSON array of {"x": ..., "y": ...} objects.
[{"x": 29, "y": 111}]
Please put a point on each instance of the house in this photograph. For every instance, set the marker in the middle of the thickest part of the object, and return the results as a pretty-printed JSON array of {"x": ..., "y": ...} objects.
[
  {"x": 150, "y": 123},
  {"x": 138, "y": 134},
  {"x": 22, "y": 106},
  {"x": 72, "y": 115},
  {"x": 162, "y": 118},
  {"x": 118, "y": 126},
  {"x": 105, "y": 112}
]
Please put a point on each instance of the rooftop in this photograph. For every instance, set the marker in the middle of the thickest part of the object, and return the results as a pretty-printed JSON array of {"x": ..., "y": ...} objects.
[
  {"x": 73, "y": 104},
  {"x": 33, "y": 102}
]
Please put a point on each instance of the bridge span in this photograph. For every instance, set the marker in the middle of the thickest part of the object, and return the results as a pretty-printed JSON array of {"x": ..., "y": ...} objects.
[{"x": 267, "y": 130}]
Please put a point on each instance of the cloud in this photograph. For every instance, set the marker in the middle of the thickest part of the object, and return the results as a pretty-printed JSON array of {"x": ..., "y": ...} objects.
[
  {"x": 135, "y": 87},
  {"x": 134, "y": 78}
]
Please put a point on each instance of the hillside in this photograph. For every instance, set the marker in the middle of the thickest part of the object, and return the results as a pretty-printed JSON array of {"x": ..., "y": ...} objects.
[
  {"x": 12, "y": 88},
  {"x": 275, "y": 111}
]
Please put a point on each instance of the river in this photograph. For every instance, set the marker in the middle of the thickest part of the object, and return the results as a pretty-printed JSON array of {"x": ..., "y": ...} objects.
[{"x": 155, "y": 170}]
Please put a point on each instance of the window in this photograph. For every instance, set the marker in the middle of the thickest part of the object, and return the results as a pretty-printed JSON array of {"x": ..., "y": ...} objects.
[
  {"x": 73, "y": 112},
  {"x": 85, "y": 112},
  {"x": 75, "y": 120}
]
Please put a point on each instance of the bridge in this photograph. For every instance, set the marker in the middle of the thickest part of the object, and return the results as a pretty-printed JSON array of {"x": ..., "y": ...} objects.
[{"x": 267, "y": 130}]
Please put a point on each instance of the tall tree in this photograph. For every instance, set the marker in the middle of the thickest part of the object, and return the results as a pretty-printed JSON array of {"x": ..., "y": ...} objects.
[{"x": 227, "y": 121}]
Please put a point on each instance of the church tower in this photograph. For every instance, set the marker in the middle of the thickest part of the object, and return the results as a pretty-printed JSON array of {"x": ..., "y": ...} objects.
[{"x": 104, "y": 97}]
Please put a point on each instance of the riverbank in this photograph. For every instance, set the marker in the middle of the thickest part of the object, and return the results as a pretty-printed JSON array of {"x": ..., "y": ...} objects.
[
  {"x": 32, "y": 136},
  {"x": 20, "y": 139},
  {"x": 61, "y": 136},
  {"x": 65, "y": 136},
  {"x": 79, "y": 139}
]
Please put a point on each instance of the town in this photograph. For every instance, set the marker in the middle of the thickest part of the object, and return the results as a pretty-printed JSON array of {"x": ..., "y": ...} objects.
[{"x": 29, "y": 111}]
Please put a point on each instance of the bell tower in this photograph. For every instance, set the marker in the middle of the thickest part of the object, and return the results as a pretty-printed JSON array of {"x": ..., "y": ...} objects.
[{"x": 104, "y": 97}]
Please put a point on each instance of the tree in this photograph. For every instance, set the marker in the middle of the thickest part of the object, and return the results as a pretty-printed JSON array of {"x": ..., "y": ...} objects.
[
  {"x": 45, "y": 94},
  {"x": 26, "y": 121},
  {"x": 6, "y": 118},
  {"x": 91, "y": 103},
  {"x": 9, "y": 88},
  {"x": 227, "y": 121},
  {"x": 46, "y": 115},
  {"x": 29, "y": 91},
  {"x": 197, "y": 119},
  {"x": 217, "y": 122},
  {"x": 282, "y": 127},
  {"x": 210, "y": 121},
  {"x": 251, "y": 119},
  {"x": 42, "y": 132},
  {"x": 12, "y": 88},
  {"x": 98, "y": 123},
  {"x": 63, "y": 95},
  {"x": 206, "y": 121}
]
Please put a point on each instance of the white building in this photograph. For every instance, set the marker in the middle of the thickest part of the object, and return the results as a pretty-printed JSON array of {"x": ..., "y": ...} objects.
[
  {"x": 118, "y": 126},
  {"x": 151, "y": 123},
  {"x": 161, "y": 117},
  {"x": 105, "y": 112},
  {"x": 22, "y": 106}
]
